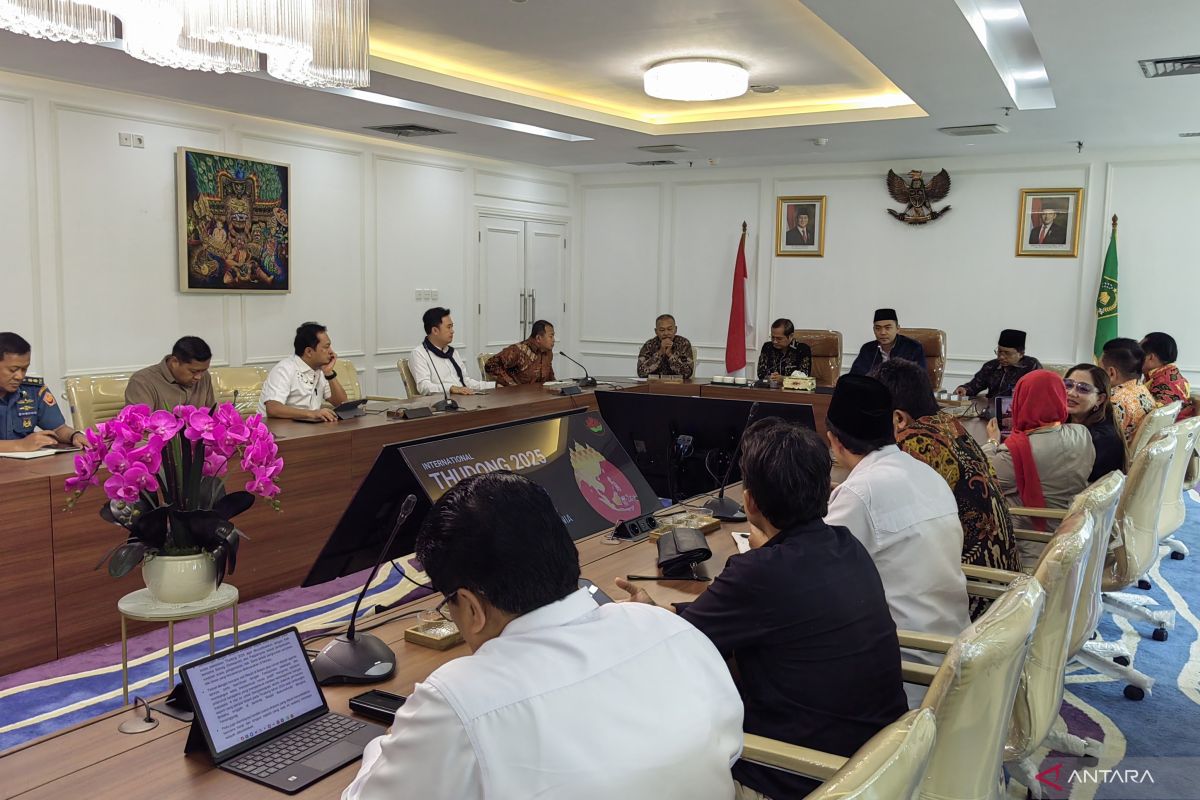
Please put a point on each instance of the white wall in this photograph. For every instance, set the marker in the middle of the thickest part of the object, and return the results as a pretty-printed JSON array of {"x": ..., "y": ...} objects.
[
  {"x": 665, "y": 241},
  {"x": 90, "y": 269}
]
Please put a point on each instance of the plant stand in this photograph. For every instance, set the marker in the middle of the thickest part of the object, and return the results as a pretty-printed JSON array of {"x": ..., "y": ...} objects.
[{"x": 141, "y": 605}]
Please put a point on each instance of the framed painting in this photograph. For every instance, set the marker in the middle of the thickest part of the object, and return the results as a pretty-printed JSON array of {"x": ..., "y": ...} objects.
[
  {"x": 233, "y": 217},
  {"x": 800, "y": 226},
  {"x": 1048, "y": 222}
]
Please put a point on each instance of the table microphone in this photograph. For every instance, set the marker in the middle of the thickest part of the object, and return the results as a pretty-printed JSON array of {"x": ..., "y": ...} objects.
[
  {"x": 445, "y": 404},
  {"x": 362, "y": 657},
  {"x": 586, "y": 380},
  {"x": 726, "y": 508}
]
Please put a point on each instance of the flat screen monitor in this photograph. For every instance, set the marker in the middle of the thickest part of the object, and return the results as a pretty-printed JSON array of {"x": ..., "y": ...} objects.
[
  {"x": 574, "y": 456},
  {"x": 683, "y": 444}
]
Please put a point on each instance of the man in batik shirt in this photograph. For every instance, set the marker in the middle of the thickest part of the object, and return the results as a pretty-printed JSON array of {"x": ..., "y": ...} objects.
[
  {"x": 1164, "y": 380},
  {"x": 1132, "y": 401},
  {"x": 667, "y": 353},
  {"x": 525, "y": 362}
]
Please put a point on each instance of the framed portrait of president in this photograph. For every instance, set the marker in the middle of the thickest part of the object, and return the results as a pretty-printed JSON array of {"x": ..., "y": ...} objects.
[
  {"x": 800, "y": 226},
  {"x": 1048, "y": 223}
]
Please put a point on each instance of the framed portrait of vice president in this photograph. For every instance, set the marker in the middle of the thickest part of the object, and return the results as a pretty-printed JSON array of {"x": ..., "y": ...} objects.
[{"x": 1048, "y": 222}]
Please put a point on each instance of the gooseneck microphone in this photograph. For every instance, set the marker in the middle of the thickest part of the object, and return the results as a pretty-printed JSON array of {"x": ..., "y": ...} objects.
[
  {"x": 587, "y": 379},
  {"x": 445, "y": 404},
  {"x": 726, "y": 508},
  {"x": 361, "y": 657}
]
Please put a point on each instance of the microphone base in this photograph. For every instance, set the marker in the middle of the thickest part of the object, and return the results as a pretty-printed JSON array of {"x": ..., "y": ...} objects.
[
  {"x": 363, "y": 659},
  {"x": 446, "y": 405},
  {"x": 586, "y": 383},
  {"x": 726, "y": 509}
]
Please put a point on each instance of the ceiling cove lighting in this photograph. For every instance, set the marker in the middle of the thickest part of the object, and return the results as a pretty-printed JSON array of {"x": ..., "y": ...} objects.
[
  {"x": 318, "y": 43},
  {"x": 696, "y": 79}
]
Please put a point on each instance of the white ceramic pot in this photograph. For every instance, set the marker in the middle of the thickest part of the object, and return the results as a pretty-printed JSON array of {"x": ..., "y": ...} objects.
[{"x": 180, "y": 579}]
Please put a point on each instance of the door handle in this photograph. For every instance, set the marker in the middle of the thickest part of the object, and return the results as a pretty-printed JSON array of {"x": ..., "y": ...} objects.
[
  {"x": 533, "y": 306},
  {"x": 522, "y": 312}
]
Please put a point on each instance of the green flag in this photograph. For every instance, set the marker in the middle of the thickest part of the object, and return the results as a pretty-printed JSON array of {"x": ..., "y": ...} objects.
[{"x": 1106, "y": 298}]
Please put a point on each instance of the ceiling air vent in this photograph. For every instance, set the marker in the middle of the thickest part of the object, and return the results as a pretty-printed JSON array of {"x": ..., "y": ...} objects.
[
  {"x": 407, "y": 131},
  {"x": 656, "y": 163},
  {"x": 1189, "y": 135},
  {"x": 1170, "y": 67},
  {"x": 974, "y": 130},
  {"x": 664, "y": 149}
]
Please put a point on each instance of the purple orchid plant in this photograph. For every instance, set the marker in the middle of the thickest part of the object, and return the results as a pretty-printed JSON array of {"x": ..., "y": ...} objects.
[{"x": 165, "y": 480}]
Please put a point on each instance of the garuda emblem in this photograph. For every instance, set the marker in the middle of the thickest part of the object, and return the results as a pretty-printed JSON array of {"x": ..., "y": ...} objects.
[{"x": 918, "y": 196}]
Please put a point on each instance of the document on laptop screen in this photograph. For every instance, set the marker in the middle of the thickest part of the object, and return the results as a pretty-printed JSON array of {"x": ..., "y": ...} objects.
[{"x": 253, "y": 689}]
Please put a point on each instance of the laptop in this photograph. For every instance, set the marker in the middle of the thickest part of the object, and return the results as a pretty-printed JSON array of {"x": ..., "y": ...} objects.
[{"x": 263, "y": 716}]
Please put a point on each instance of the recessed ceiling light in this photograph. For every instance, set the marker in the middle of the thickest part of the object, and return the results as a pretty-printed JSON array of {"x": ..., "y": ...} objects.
[
  {"x": 764, "y": 88},
  {"x": 696, "y": 79}
]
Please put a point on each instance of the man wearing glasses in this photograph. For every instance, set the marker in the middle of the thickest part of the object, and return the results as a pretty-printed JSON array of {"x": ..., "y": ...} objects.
[
  {"x": 561, "y": 697},
  {"x": 998, "y": 376},
  {"x": 667, "y": 353}
]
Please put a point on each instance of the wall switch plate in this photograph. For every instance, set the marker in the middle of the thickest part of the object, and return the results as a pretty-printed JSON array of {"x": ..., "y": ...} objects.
[
  {"x": 433, "y": 294},
  {"x": 125, "y": 139},
  {"x": 417, "y": 295}
]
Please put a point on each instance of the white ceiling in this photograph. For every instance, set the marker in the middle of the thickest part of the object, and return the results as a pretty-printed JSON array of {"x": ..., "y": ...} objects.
[{"x": 925, "y": 47}]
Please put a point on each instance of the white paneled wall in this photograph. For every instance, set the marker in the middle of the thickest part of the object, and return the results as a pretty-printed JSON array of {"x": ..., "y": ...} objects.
[
  {"x": 959, "y": 273},
  {"x": 90, "y": 267}
]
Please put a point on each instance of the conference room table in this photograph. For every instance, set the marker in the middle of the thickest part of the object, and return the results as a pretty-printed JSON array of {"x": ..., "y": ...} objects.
[
  {"x": 57, "y": 603},
  {"x": 94, "y": 760}
]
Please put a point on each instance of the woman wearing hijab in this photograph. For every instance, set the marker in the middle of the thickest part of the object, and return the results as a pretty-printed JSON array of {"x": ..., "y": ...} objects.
[{"x": 1046, "y": 460}]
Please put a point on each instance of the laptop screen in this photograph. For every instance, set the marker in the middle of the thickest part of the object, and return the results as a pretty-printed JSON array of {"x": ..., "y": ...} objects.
[{"x": 252, "y": 689}]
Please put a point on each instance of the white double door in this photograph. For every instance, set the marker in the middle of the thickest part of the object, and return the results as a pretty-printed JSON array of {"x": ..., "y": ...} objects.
[{"x": 522, "y": 278}]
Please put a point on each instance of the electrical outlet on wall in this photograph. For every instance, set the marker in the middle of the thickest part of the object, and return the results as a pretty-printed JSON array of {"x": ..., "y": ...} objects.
[
  {"x": 125, "y": 139},
  {"x": 139, "y": 141}
]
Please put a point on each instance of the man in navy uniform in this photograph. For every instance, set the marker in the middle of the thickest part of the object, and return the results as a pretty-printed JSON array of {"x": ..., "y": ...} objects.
[{"x": 29, "y": 415}]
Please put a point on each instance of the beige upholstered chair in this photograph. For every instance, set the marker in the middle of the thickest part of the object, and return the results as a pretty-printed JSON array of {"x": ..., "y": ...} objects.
[
  {"x": 972, "y": 693},
  {"x": 1157, "y": 420},
  {"x": 1173, "y": 510},
  {"x": 95, "y": 398},
  {"x": 1061, "y": 573},
  {"x": 826, "y": 349},
  {"x": 695, "y": 361},
  {"x": 246, "y": 382},
  {"x": 348, "y": 377},
  {"x": 889, "y": 766},
  {"x": 410, "y": 383},
  {"x": 934, "y": 343},
  {"x": 482, "y": 358}
]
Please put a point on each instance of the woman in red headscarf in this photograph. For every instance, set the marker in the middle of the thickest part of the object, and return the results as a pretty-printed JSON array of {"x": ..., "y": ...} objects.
[{"x": 1046, "y": 460}]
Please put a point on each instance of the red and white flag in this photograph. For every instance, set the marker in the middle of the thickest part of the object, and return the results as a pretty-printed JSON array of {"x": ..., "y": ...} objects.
[{"x": 735, "y": 338}]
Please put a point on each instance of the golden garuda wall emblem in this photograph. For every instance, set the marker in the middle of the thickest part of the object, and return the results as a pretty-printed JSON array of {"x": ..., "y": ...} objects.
[{"x": 918, "y": 196}]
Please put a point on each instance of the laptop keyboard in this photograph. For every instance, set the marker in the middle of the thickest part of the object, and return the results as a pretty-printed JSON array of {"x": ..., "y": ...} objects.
[{"x": 262, "y": 762}]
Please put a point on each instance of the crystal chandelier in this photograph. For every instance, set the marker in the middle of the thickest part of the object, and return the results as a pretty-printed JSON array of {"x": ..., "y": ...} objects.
[{"x": 309, "y": 42}]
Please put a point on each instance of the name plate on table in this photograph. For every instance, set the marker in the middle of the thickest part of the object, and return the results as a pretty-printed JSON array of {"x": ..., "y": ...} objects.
[{"x": 665, "y": 378}]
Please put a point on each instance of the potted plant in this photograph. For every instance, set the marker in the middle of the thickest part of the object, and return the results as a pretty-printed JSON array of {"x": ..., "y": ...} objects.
[{"x": 165, "y": 487}]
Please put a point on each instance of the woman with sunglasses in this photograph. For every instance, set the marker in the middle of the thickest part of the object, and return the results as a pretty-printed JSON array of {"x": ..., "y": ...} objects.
[{"x": 1088, "y": 405}]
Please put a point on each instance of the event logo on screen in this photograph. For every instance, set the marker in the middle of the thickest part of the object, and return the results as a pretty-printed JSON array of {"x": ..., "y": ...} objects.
[{"x": 606, "y": 489}]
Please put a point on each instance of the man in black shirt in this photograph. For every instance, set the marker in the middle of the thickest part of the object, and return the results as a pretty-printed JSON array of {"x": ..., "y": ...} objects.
[
  {"x": 802, "y": 614},
  {"x": 783, "y": 355},
  {"x": 1000, "y": 375},
  {"x": 888, "y": 343}
]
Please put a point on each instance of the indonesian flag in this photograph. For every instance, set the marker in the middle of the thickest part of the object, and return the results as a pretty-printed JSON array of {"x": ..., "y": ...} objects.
[{"x": 735, "y": 338}]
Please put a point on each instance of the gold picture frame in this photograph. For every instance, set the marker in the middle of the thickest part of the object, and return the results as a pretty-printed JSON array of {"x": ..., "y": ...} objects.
[
  {"x": 1048, "y": 223},
  {"x": 792, "y": 238}
]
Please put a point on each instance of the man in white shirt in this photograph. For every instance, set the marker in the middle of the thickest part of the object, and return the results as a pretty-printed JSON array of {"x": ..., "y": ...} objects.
[
  {"x": 438, "y": 367},
  {"x": 561, "y": 699},
  {"x": 902, "y": 510},
  {"x": 297, "y": 386}
]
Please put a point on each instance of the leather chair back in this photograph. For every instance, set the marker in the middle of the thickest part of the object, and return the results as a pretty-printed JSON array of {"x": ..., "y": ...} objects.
[
  {"x": 1100, "y": 500},
  {"x": 826, "y": 347},
  {"x": 1135, "y": 531},
  {"x": 973, "y": 704},
  {"x": 1157, "y": 420},
  {"x": 1173, "y": 509},
  {"x": 1061, "y": 573},
  {"x": 95, "y": 398},
  {"x": 410, "y": 383},
  {"x": 247, "y": 382},
  {"x": 890, "y": 766},
  {"x": 482, "y": 359},
  {"x": 348, "y": 377},
  {"x": 934, "y": 343}
]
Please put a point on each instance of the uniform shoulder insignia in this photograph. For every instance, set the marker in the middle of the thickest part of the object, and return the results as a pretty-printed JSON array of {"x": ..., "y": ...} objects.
[
  {"x": 47, "y": 396},
  {"x": 32, "y": 381}
]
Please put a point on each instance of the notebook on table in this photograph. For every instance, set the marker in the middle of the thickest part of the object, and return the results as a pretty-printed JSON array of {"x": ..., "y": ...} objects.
[{"x": 261, "y": 715}]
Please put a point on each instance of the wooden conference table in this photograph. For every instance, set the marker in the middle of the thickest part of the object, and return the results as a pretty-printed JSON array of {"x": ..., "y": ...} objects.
[
  {"x": 56, "y": 604},
  {"x": 94, "y": 760}
]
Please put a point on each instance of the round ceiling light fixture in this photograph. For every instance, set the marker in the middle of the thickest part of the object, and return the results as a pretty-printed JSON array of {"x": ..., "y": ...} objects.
[{"x": 696, "y": 79}]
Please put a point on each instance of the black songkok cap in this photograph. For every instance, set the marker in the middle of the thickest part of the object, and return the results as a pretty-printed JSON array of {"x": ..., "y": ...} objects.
[
  {"x": 861, "y": 407},
  {"x": 1010, "y": 337},
  {"x": 886, "y": 313}
]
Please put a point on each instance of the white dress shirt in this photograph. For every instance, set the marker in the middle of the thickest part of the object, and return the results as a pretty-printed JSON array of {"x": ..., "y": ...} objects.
[
  {"x": 572, "y": 701},
  {"x": 426, "y": 368},
  {"x": 295, "y": 384},
  {"x": 906, "y": 516}
]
